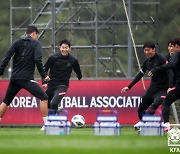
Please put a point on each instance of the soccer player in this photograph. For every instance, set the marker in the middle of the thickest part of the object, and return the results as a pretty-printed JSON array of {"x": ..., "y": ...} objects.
[
  {"x": 170, "y": 51},
  {"x": 173, "y": 92},
  {"x": 158, "y": 86},
  {"x": 60, "y": 66},
  {"x": 171, "y": 72},
  {"x": 26, "y": 53}
]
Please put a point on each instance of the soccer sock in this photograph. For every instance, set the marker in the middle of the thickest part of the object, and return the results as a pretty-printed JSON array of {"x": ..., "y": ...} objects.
[
  {"x": 45, "y": 119},
  {"x": 166, "y": 112}
]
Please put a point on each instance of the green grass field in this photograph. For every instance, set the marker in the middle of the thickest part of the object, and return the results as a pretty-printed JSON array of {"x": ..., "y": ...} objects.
[{"x": 32, "y": 141}]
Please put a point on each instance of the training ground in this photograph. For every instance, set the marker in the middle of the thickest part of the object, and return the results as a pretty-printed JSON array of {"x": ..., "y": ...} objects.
[{"x": 81, "y": 141}]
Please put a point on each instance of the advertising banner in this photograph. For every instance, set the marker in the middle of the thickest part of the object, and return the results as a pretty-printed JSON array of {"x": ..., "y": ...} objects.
[{"x": 84, "y": 97}]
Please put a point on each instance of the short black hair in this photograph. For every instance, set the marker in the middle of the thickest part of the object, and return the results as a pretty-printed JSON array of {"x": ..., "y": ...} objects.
[
  {"x": 149, "y": 44},
  {"x": 176, "y": 41},
  {"x": 170, "y": 41},
  {"x": 65, "y": 41},
  {"x": 31, "y": 29}
]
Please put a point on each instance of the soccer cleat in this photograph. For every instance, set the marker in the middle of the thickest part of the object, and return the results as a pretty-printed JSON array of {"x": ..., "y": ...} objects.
[
  {"x": 43, "y": 128},
  {"x": 138, "y": 125},
  {"x": 166, "y": 126}
]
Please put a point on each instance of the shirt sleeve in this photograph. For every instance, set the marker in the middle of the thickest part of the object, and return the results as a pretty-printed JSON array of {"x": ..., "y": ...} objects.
[
  {"x": 49, "y": 63},
  {"x": 38, "y": 59},
  {"x": 77, "y": 70},
  {"x": 170, "y": 78},
  {"x": 51, "y": 60},
  {"x": 171, "y": 64},
  {"x": 174, "y": 60},
  {"x": 8, "y": 56},
  {"x": 139, "y": 75}
]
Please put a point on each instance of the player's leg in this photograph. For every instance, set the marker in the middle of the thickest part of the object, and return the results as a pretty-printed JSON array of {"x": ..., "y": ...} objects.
[
  {"x": 11, "y": 92},
  {"x": 171, "y": 97},
  {"x": 34, "y": 88},
  {"x": 158, "y": 99},
  {"x": 147, "y": 100},
  {"x": 59, "y": 93},
  {"x": 50, "y": 92},
  {"x": 3, "y": 108}
]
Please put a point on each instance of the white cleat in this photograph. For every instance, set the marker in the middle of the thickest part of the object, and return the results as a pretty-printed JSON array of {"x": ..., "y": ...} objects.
[
  {"x": 138, "y": 125},
  {"x": 166, "y": 126},
  {"x": 43, "y": 128}
]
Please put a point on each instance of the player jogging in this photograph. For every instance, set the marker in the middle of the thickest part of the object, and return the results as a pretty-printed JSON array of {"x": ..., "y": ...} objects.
[
  {"x": 173, "y": 92},
  {"x": 60, "y": 66},
  {"x": 26, "y": 53},
  {"x": 158, "y": 86}
]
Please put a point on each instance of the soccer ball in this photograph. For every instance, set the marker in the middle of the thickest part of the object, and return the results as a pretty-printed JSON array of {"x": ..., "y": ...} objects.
[{"x": 78, "y": 120}]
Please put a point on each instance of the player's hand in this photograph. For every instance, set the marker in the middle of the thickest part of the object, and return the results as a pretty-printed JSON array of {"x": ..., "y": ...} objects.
[
  {"x": 170, "y": 89},
  {"x": 150, "y": 73},
  {"x": 44, "y": 86},
  {"x": 47, "y": 78},
  {"x": 125, "y": 89},
  {"x": 153, "y": 71}
]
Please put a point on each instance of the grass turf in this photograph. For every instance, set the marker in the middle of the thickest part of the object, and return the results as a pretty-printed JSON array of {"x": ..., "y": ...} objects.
[{"x": 34, "y": 141}]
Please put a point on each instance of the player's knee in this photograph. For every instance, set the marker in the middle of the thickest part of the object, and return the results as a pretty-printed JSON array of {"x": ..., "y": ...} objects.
[
  {"x": 165, "y": 103},
  {"x": 54, "y": 105},
  {"x": 7, "y": 102},
  {"x": 44, "y": 97},
  {"x": 158, "y": 101},
  {"x": 154, "y": 106}
]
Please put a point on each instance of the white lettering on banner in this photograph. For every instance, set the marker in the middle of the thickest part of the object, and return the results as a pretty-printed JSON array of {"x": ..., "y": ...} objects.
[
  {"x": 77, "y": 102},
  {"x": 24, "y": 102},
  {"x": 99, "y": 102},
  {"x": 120, "y": 102},
  {"x": 93, "y": 102},
  {"x": 80, "y": 102}
]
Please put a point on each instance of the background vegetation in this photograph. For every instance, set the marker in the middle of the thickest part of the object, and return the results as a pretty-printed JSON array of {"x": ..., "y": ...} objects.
[{"x": 166, "y": 26}]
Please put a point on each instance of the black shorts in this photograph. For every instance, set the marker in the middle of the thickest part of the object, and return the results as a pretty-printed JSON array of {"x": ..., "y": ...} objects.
[
  {"x": 55, "y": 95},
  {"x": 30, "y": 85}
]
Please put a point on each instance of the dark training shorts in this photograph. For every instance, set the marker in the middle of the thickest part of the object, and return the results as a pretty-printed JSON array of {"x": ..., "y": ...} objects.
[
  {"x": 55, "y": 95},
  {"x": 31, "y": 86}
]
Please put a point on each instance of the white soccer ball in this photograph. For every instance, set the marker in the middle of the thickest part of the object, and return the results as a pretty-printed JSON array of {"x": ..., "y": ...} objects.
[{"x": 78, "y": 120}]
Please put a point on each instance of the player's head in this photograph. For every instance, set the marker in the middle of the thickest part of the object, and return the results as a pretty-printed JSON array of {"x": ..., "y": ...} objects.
[
  {"x": 32, "y": 31},
  {"x": 170, "y": 48},
  {"x": 65, "y": 47},
  {"x": 149, "y": 49},
  {"x": 176, "y": 44}
]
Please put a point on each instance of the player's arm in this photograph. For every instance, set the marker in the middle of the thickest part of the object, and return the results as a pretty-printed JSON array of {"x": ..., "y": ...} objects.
[
  {"x": 136, "y": 79},
  {"x": 165, "y": 67},
  {"x": 139, "y": 75},
  {"x": 8, "y": 56},
  {"x": 38, "y": 60},
  {"x": 77, "y": 70},
  {"x": 49, "y": 63},
  {"x": 170, "y": 78}
]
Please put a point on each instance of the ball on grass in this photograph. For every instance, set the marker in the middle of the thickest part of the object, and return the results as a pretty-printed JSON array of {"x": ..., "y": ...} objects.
[{"x": 78, "y": 120}]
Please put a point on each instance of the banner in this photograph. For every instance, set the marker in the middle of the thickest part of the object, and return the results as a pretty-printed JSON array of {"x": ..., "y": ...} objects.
[{"x": 84, "y": 97}]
